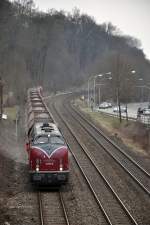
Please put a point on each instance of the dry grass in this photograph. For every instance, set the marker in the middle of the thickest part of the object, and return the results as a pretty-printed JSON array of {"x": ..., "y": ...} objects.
[
  {"x": 11, "y": 112},
  {"x": 132, "y": 134},
  {"x": 108, "y": 122}
]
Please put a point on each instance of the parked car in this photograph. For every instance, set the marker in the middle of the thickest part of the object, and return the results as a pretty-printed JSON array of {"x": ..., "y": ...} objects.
[
  {"x": 109, "y": 105},
  {"x": 105, "y": 105},
  {"x": 122, "y": 108},
  {"x": 146, "y": 111}
]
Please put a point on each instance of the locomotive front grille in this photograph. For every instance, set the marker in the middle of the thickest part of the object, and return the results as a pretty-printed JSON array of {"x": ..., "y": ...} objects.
[{"x": 49, "y": 178}]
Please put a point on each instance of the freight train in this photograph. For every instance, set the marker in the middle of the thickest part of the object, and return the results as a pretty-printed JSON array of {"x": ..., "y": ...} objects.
[{"x": 46, "y": 147}]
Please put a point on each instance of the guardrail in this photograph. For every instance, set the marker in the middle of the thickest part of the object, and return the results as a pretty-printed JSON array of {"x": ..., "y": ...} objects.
[
  {"x": 142, "y": 118},
  {"x": 117, "y": 116}
]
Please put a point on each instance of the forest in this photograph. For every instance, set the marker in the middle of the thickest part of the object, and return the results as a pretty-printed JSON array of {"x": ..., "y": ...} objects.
[{"x": 59, "y": 50}]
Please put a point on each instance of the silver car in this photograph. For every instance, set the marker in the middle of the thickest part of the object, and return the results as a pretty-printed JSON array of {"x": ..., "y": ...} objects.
[
  {"x": 146, "y": 112},
  {"x": 105, "y": 105}
]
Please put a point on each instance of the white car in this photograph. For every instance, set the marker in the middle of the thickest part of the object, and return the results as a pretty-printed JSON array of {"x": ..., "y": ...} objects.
[
  {"x": 146, "y": 112},
  {"x": 105, "y": 105},
  {"x": 122, "y": 108}
]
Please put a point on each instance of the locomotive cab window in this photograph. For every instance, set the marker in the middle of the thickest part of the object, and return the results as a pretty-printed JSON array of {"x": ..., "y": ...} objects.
[
  {"x": 41, "y": 140},
  {"x": 57, "y": 140}
]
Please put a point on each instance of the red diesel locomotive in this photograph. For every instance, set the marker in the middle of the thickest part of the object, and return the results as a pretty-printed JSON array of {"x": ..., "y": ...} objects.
[{"x": 47, "y": 150}]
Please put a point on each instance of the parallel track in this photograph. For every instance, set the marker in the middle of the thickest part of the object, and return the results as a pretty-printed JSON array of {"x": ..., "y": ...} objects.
[
  {"x": 114, "y": 210},
  {"x": 134, "y": 169}
]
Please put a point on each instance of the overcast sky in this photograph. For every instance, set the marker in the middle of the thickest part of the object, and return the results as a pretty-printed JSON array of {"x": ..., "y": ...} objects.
[{"x": 132, "y": 17}]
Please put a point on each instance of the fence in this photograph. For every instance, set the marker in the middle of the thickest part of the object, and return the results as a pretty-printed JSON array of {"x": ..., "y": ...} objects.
[{"x": 142, "y": 118}]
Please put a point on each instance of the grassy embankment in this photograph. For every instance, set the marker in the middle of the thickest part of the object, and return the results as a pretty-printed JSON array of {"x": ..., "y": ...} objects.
[
  {"x": 131, "y": 134},
  {"x": 11, "y": 112}
]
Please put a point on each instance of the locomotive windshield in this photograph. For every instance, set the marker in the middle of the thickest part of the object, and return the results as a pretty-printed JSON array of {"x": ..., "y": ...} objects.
[
  {"x": 41, "y": 140},
  {"x": 56, "y": 140},
  {"x": 45, "y": 139}
]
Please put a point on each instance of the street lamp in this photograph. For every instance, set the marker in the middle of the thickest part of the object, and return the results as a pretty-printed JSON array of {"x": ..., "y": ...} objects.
[
  {"x": 133, "y": 71},
  {"x": 99, "y": 93},
  {"x": 90, "y": 78},
  {"x": 94, "y": 95},
  {"x": 99, "y": 75},
  {"x": 141, "y": 86}
]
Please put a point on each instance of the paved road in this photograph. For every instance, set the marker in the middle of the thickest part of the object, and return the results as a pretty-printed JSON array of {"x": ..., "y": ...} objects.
[{"x": 132, "y": 109}]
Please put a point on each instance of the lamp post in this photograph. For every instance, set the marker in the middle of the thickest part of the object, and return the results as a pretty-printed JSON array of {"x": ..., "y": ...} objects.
[
  {"x": 89, "y": 91},
  {"x": 127, "y": 84},
  {"x": 90, "y": 78},
  {"x": 101, "y": 84},
  {"x": 1, "y": 98},
  {"x": 99, "y": 95},
  {"x": 99, "y": 92},
  {"x": 141, "y": 86},
  {"x": 94, "y": 88},
  {"x": 99, "y": 75}
]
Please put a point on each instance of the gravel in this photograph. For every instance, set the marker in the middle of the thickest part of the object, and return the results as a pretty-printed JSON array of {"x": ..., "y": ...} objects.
[{"x": 18, "y": 201}]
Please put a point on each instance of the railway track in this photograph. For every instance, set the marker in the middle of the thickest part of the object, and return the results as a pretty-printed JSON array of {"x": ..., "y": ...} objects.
[
  {"x": 114, "y": 210},
  {"x": 52, "y": 209},
  {"x": 134, "y": 169}
]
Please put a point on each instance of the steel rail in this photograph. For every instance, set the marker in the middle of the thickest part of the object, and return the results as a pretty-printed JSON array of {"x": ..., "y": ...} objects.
[
  {"x": 87, "y": 180},
  {"x": 110, "y": 153},
  {"x": 100, "y": 173},
  {"x": 40, "y": 209},
  {"x": 64, "y": 209},
  {"x": 111, "y": 142}
]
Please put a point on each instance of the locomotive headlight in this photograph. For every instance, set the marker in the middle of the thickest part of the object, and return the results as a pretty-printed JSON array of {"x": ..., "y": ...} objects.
[
  {"x": 37, "y": 165},
  {"x": 37, "y": 168},
  {"x": 61, "y": 165}
]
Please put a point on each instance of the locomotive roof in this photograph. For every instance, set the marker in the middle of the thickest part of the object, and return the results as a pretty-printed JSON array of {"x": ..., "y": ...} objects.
[{"x": 46, "y": 128}]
